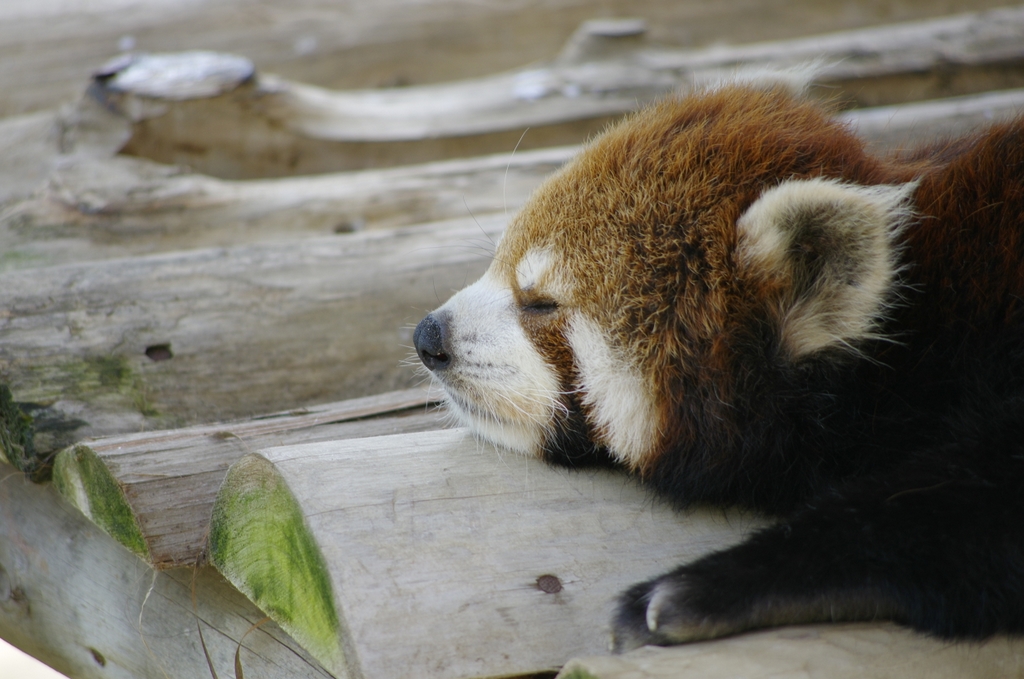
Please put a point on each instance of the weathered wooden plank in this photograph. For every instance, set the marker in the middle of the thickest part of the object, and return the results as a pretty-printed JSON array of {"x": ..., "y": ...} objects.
[
  {"x": 73, "y": 597},
  {"x": 48, "y": 47},
  {"x": 895, "y": 127},
  {"x": 104, "y": 207},
  {"x": 449, "y": 559},
  {"x": 33, "y": 145},
  {"x": 99, "y": 208},
  {"x": 168, "y": 480},
  {"x": 75, "y": 345},
  {"x": 272, "y": 127},
  {"x": 890, "y": 64},
  {"x": 217, "y": 334},
  {"x": 876, "y": 651}
]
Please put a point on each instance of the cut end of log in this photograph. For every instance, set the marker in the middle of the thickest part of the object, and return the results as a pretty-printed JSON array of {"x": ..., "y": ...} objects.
[
  {"x": 82, "y": 477},
  {"x": 260, "y": 542},
  {"x": 176, "y": 76}
]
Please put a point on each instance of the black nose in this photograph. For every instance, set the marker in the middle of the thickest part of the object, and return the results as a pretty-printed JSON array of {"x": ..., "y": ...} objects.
[{"x": 430, "y": 340}]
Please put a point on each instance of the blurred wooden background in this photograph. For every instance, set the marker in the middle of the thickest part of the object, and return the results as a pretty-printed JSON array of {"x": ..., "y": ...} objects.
[{"x": 170, "y": 262}]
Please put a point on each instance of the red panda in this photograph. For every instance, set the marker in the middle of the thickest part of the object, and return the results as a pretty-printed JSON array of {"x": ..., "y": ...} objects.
[{"x": 728, "y": 296}]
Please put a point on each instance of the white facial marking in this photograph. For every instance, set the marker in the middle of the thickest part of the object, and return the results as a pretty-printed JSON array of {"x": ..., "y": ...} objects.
[
  {"x": 531, "y": 267},
  {"x": 498, "y": 383},
  {"x": 621, "y": 406}
]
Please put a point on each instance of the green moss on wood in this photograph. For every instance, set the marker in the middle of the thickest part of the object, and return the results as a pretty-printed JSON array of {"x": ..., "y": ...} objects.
[
  {"x": 114, "y": 374},
  {"x": 16, "y": 436},
  {"x": 106, "y": 379},
  {"x": 82, "y": 477},
  {"x": 577, "y": 673},
  {"x": 260, "y": 541}
]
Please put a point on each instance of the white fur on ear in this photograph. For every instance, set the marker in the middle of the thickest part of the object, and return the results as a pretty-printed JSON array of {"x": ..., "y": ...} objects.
[
  {"x": 829, "y": 248},
  {"x": 796, "y": 79}
]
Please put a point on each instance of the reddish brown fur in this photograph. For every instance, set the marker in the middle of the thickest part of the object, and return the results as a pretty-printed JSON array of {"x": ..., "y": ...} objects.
[
  {"x": 974, "y": 273},
  {"x": 675, "y": 265},
  {"x": 656, "y": 206}
]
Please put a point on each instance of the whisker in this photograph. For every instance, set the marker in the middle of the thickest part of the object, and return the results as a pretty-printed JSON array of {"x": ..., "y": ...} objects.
[
  {"x": 477, "y": 221},
  {"x": 504, "y": 182}
]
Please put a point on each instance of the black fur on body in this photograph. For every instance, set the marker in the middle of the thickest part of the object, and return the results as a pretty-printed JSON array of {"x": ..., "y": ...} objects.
[
  {"x": 892, "y": 456},
  {"x": 898, "y": 471}
]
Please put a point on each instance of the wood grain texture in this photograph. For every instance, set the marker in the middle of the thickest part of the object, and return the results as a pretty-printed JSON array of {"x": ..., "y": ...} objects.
[
  {"x": 249, "y": 329},
  {"x": 73, "y": 597},
  {"x": 170, "y": 478},
  {"x": 451, "y": 559},
  {"x": 98, "y": 207},
  {"x": 273, "y": 127},
  {"x": 50, "y": 46},
  {"x": 875, "y": 651}
]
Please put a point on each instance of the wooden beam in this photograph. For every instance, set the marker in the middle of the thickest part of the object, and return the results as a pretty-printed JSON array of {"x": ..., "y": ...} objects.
[
  {"x": 447, "y": 558},
  {"x": 73, "y": 597},
  {"x": 875, "y": 651},
  {"x": 904, "y": 125},
  {"x": 100, "y": 207},
  {"x": 436, "y": 556},
  {"x": 269, "y": 126},
  {"x": 46, "y": 54},
  {"x": 214, "y": 334},
  {"x": 154, "y": 491},
  {"x": 218, "y": 323}
]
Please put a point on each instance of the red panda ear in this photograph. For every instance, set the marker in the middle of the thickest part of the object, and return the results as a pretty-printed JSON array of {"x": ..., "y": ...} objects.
[{"x": 824, "y": 253}]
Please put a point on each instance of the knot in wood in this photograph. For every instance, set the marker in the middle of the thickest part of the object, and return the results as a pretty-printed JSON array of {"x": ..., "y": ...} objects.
[{"x": 549, "y": 584}]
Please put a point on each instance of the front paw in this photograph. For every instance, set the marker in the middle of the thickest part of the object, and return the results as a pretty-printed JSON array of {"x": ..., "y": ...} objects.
[
  {"x": 654, "y": 612},
  {"x": 658, "y": 613}
]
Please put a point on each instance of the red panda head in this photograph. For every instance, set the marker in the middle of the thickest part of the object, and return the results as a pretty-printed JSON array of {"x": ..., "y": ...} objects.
[{"x": 695, "y": 244}]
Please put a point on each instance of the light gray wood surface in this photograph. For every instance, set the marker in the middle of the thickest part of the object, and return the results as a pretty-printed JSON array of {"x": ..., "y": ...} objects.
[
  {"x": 170, "y": 478},
  {"x": 93, "y": 610},
  {"x": 251, "y": 329},
  {"x": 49, "y": 47},
  {"x": 268, "y": 126},
  {"x": 435, "y": 543},
  {"x": 102, "y": 207},
  {"x": 848, "y": 651}
]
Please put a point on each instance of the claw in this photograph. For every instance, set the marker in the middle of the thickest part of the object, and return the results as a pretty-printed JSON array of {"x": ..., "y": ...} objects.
[{"x": 661, "y": 594}]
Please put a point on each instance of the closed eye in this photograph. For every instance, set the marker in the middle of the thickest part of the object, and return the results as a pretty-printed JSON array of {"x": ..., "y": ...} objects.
[{"x": 540, "y": 307}]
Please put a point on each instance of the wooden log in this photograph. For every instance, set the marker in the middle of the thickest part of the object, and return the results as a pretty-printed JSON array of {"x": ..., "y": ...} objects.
[
  {"x": 133, "y": 485},
  {"x": 75, "y": 337},
  {"x": 888, "y": 128},
  {"x": 272, "y": 127},
  {"x": 34, "y": 145},
  {"x": 103, "y": 207},
  {"x": 878, "y": 651},
  {"x": 215, "y": 334},
  {"x": 442, "y": 556},
  {"x": 73, "y": 597},
  {"x": 426, "y": 555},
  {"x": 98, "y": 208},
  {"x": 48, "y": 53}
]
